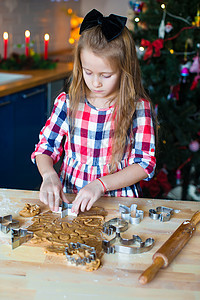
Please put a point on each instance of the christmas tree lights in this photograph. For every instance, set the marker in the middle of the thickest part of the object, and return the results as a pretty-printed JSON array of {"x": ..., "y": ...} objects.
[{"x": 169, "y": 34}]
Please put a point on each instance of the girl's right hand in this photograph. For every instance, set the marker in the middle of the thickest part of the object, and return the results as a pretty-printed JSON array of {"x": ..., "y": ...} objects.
[{"x": 51, "y": 191}]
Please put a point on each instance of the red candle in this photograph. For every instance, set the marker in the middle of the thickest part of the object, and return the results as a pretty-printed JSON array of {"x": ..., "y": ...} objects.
[
  {"x": 46, "y": 42},
  {"x": 5, "y": 37},
  {"x": 27, "y": 40}
]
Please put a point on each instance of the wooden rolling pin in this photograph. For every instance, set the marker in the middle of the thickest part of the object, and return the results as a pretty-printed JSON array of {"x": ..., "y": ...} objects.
[{"x": 167, "y": 252}]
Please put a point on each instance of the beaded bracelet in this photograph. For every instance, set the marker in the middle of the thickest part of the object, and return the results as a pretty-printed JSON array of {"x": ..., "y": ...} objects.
[{"x": 104, "y": 187}]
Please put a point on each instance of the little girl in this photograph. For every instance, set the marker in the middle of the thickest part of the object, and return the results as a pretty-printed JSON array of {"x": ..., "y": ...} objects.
[{"x": 106, "y": 120}]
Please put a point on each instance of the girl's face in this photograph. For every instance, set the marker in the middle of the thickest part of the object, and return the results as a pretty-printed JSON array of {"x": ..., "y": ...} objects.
[{"x": 101, "y": 78}]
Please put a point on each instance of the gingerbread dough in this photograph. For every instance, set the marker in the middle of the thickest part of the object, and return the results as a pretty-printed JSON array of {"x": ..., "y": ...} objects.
[
  {"x": 30, "y": 210},
  {"x": 55, "y": 233}
]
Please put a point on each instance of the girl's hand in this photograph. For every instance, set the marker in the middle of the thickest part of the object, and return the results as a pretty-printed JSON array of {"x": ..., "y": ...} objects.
[
  {"x": 51, "y": 191},
  {"x": 87, "y": 196}
]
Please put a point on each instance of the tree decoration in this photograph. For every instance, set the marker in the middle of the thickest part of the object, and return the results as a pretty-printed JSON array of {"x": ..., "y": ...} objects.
[
  {"x": 195, "y": 68},
  {"x": 159, "y": 186},
  {"x": 174, "y": 92},
  {"x": 194, "y": 146},
  {"x": 184, "y": 74},
  {"x": 178, "y": 177},
  {"x": 136, "y": 6},
  {"x": 197, "y": 18},
  {"x": 168, "y": 27},
  {"x": 161, "y": 30},
  {"x": 195, "y": 83},
  {"x": 75, "y": 22},
  {"x": 170, "y": 71},
  {"x": 152, "y": 48}
]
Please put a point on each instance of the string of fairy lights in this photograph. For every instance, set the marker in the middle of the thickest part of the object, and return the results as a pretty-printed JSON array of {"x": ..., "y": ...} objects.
[{"x": 162, "y": 29}]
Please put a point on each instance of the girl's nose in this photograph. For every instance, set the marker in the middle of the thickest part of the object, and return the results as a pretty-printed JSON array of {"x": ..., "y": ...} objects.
[{"x": 96, "y": 81}]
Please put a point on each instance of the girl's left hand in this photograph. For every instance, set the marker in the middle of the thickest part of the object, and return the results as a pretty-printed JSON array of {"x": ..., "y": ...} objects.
[{"x": 87, "y": 196}]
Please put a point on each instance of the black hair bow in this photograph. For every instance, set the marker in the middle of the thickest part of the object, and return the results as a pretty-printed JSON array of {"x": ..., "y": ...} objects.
[{"x": 111, "y": 26}]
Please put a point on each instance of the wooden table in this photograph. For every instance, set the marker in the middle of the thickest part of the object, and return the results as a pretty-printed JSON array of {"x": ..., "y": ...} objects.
[{"x": 29, "y": 273}]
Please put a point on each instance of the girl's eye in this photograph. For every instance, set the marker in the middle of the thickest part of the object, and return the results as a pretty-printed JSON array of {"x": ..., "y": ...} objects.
[
  {"x": 87, "y": 72},
  {"x": 106, "y": 76}
]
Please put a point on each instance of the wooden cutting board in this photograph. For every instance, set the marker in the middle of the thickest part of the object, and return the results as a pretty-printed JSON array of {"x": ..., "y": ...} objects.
[{"x": 29, "y": 273}]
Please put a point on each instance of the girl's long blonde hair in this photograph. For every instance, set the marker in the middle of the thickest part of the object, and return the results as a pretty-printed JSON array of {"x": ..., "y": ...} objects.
[{"x": 120, "y": 51}]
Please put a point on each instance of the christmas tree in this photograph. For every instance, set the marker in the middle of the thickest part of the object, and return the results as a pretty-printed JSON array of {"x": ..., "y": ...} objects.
[{"x": 167, "y": 37}]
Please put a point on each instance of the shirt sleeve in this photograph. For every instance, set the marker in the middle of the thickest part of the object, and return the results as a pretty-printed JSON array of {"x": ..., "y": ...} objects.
[
  {"x": 52, "y": 133},
  {"x": 143, "y": 150}
]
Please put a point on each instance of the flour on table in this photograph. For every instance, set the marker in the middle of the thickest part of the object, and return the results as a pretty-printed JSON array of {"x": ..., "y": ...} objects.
[{"x": 7, "y": 207}]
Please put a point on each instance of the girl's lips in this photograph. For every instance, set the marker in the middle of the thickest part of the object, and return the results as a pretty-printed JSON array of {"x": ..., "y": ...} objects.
[{"x": 97, "y": 91}]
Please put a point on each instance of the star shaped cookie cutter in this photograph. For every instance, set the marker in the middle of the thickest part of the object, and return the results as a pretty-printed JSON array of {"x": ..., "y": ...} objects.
[
  {"x": 127, "y": 246},
  {"x": 115, "y": 225},
  {"x": 131, "y": 214},
  {"x": 88, "y": 253},
  {"x": 161, "y": 213},
  {"x": 20, "y": 236},
  {"x": 7, "y": 223}
]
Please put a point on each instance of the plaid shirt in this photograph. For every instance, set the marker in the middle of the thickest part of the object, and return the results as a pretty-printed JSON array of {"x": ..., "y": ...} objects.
[{"x": 88, "y": 151}]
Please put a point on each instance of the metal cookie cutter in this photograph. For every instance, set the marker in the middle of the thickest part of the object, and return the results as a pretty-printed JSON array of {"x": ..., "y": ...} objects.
[
  {"x": 115, "y": 225},
  {"x": 124, "y": 245},
  {"x": 7, "y": 222},
  {"x": 20, "y": 236},
  {"x": 131, "y": 214},
  {"x": 161, "y": 213},
  {"x": 65, "y": 210},
  {"x": 89, "y": 253}
]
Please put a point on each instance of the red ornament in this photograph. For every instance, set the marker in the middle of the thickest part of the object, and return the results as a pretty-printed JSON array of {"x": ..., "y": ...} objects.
[
  {"x": 174, "y": 92},
  {"x": 157, "y": 184},
  {"x": 156, "y": 45},
  {"x": 195, "y": 82}
]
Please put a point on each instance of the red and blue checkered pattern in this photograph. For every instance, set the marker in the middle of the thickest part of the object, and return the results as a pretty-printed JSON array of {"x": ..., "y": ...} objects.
[{"x": 88, "y": 150}]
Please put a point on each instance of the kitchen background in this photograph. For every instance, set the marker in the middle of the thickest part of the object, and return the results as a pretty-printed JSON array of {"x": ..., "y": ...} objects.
[
  {"x": 24, "y": 110},
  {"x": 167, "y": 39},
  {"x": 47, "y": 16}
]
